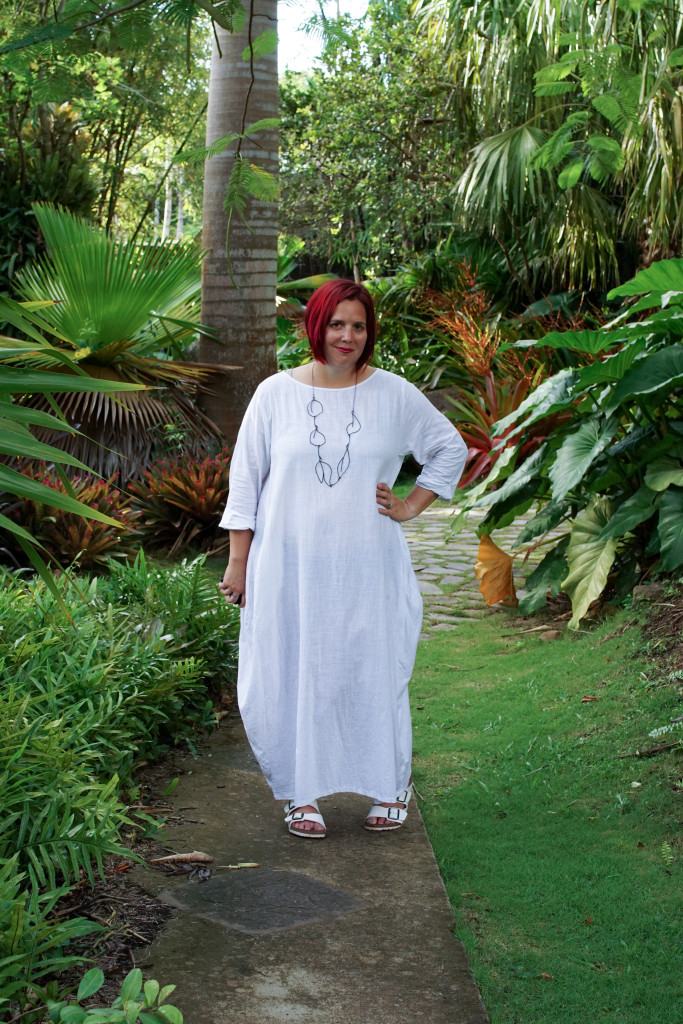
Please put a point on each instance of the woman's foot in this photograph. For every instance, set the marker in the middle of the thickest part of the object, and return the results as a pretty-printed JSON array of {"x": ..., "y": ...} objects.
[
  {"x": 306, "y": 821},
  {"x": 376, "y": 822}
]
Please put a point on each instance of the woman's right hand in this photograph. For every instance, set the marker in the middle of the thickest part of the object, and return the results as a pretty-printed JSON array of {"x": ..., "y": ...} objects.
[{"x": 234, "y": 582}]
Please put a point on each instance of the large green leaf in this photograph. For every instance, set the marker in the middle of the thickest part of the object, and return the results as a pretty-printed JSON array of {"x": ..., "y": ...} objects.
[
  {"x": 553, "y": 395},
  {"x": 33, "y": 417},
  {"x": 589, "y": 557},
  {"x": 664, "y": 323},
  {"x": 661, "y": 277},
  {"x": 611, "y": 369},
  {"x": 636, "y": 509},
  {"x": 31, "y": 382},
  {"x": 547, "y": 576},
  {"x": 652, "y": 372},
  {"x": 303, "y": 284},
  {"x": 26, "y": 487},
  {"x": 670, "y": 528},
  {"x": 106, "y": 291},
  {"x": 662, "y": 473},
  {"x": 16, "y": 440},
  {"x": 578, "y": 451},
  {"x": 516, "y": 483},
  {"x": 591, "y": 342},
  {"x": 17, "y": 530},
  {"x": 545, "y": 519}
]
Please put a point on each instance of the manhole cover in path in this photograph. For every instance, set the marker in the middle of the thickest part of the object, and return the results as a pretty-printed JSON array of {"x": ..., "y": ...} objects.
[{"x": 261, "y": 900}]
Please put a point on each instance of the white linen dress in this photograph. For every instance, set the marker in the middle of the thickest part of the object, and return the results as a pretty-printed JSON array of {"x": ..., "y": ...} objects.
[{"x": 333, "y": 612}]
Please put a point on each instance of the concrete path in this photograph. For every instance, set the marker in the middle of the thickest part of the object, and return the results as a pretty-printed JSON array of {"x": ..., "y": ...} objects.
[{"x": 353, "y": 929}]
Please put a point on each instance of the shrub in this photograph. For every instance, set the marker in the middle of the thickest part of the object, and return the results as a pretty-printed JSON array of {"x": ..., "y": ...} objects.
[
  {"x": 181, "y": 500},
  {"x": 68, "y": 537},
  {"x": 609, "y": 479},
  {"x": 139, "y": 1001},
  {"x": 115, "y": 670}
]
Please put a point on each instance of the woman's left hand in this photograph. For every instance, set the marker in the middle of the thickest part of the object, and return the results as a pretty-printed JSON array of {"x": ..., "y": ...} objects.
[{"x": 391, "y": 506}]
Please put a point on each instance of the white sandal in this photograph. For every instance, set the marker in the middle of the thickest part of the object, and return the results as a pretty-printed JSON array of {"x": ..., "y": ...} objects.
[
  {"x": 293, "y": 816},
  {"x": 395, "y": 815}
]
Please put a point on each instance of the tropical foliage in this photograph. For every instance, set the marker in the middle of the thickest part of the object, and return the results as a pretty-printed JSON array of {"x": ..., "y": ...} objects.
[
  {"x": 366, "y": 150},
  {"x": 609, "y": 478},
  {"x": 553, "y": 132},
  {"x": 16, "y": 440},
  {"x": 125, "y": 312},
  {"x": 181, "y": 501},
  {"x": 573, "y": 115},
  {"x": 139, "y": 1001},
  {"x": 119, "y": 675},
  {"x": 68, "y": 537},
  {"x": 95, "y": 104}
]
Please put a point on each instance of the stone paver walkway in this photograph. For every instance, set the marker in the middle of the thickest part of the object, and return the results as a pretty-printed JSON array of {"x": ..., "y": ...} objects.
[{"x": 445, "y": 567}]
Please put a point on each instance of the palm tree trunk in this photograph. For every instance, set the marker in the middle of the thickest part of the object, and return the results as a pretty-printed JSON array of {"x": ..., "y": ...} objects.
[{"x": 243, "y": 316}]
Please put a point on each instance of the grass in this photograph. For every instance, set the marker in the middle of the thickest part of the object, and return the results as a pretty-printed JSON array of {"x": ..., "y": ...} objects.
[{"x": 562, "y": 862}]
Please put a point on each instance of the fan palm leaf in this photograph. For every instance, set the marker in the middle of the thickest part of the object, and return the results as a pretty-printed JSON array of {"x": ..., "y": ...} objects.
[
  {"x": 500, "y": 177},
  {"x": 104, "y": 291},
  {"x": 17, "y": 442},
  {"x": 120, "y": 309}
]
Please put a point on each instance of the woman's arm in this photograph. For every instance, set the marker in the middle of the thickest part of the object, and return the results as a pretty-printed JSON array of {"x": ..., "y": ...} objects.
[
  {"x": 234, "y": 580},
  {"x": 399, "y": 509}
]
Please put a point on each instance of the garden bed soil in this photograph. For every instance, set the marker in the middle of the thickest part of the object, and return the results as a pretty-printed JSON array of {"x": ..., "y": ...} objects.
[{"x": 131, "y": 917}]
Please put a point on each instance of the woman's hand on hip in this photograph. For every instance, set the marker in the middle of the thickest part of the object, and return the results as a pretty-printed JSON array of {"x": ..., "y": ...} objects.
[
  {"x": 391, "y": 506},
  {"x": 233, "y": 584},
  {"x": 399, "y": 509}
]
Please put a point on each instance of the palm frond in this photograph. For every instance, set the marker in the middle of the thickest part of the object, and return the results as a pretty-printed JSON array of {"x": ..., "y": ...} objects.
[
  {"x": 103, "y": 290},
  {"x": 501, "y": 174}
]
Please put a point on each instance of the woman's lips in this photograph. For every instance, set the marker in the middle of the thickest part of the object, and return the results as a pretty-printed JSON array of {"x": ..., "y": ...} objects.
[{"x": 343, "y": 350}]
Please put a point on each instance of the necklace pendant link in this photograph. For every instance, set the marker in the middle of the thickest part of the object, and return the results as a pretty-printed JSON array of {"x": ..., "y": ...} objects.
[{"x": 315, "y": 408}]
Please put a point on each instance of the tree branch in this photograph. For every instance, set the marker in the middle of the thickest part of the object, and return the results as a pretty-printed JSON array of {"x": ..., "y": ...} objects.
[{"x": 652, "y": 751}]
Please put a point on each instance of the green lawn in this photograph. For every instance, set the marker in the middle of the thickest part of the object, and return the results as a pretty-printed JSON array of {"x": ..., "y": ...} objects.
[{"x": 562, "y": 862}]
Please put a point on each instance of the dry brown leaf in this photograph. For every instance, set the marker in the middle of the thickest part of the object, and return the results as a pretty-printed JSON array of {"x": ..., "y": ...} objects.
[
  {"x": 196, "y": 857},
  {"x": 493, "y": 569}
]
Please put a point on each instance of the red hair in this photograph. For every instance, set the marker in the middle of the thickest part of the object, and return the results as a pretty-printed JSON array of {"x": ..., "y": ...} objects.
[{"x": 321, "y": 306}]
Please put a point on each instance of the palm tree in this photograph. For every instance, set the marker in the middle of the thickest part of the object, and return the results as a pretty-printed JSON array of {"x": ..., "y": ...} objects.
[
  {"x": 573, "y": 113},
  {"x": 238, "y": 292}
]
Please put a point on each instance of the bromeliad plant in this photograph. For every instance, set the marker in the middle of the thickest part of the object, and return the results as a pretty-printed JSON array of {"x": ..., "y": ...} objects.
[
  {"x": 66, "y": 536},
  {"x": 609, "y": 478},
  {"x": 182, "y": 500},
  {"x": 496, "y": 377}
]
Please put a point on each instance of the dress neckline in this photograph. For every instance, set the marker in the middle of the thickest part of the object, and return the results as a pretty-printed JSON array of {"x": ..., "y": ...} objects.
[{"x": 348, "y": 387}]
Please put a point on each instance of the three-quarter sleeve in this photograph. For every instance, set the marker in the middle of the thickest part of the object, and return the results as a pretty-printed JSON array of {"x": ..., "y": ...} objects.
[
  {"x": 249, "y": 467},
  {"x": 435, "y": 444}
]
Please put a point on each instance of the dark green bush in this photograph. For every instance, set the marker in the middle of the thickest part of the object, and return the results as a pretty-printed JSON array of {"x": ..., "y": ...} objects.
[{"x": 116, "y": 673}]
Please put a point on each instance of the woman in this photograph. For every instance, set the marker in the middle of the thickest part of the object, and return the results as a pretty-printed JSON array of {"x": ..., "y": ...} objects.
[{"x": 331, "y": 610}]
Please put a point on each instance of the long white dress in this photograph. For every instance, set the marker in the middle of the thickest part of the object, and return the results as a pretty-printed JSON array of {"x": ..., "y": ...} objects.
[{"x": 333, "y": 612}]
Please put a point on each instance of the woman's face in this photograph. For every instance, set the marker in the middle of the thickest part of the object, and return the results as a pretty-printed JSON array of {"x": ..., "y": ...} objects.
[{"x": 346, "y": 334}]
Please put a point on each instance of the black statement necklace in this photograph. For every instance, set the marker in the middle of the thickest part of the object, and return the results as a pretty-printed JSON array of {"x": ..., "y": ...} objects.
[{"x": 323, "y": 470}]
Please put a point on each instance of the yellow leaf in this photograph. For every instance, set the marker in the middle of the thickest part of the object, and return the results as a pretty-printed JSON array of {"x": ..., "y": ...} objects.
[{"x": 493, "y": 569}]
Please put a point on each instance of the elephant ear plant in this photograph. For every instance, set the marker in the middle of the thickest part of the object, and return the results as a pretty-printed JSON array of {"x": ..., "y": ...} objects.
[{"x": 607, "y": 484}]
